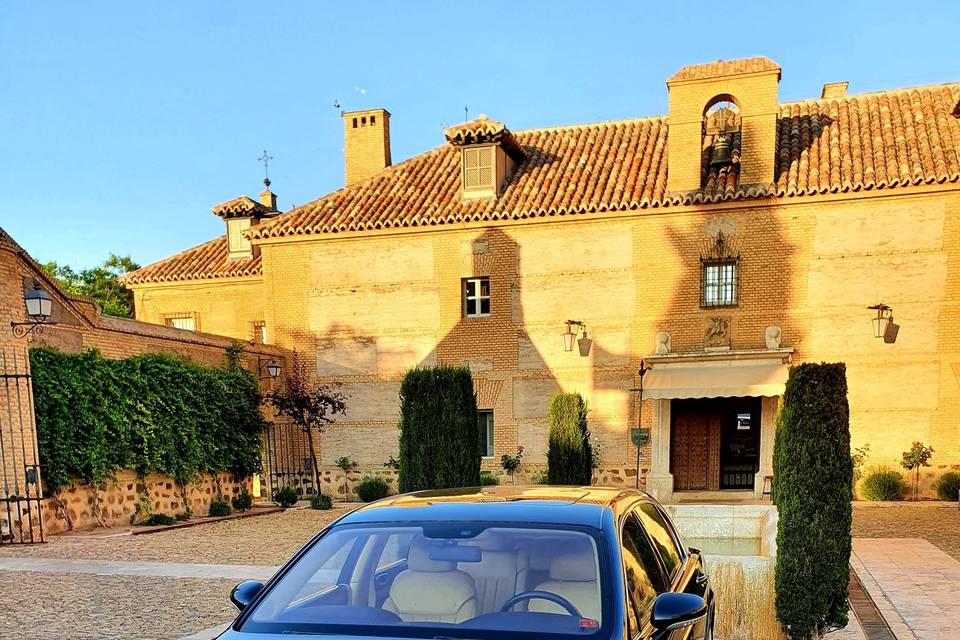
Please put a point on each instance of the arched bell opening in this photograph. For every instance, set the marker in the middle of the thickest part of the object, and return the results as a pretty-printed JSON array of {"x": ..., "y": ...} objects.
[{"x": 721, "y": 145}]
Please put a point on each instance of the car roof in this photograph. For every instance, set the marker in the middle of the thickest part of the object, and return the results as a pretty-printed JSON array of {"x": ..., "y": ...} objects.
[{"x": 538, "y": 504}]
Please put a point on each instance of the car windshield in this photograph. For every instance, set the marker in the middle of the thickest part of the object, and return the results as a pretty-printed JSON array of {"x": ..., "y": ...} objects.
[{"x": 445, "y": 579}]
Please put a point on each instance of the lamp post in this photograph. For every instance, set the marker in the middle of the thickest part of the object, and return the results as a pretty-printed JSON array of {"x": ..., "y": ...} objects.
[
  {"x": 639, "y": 440},
  {"x": 39, "y": 307}
]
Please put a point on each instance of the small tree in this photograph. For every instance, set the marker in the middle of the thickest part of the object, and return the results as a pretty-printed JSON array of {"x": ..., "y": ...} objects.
[
  {"x": 309, "y": 406},
  {"x": 439, "y": 432},
  {"x": 813, "y": 489},
  {"x": 918, "y": 456},
  {"x": 569, "y": 457}
]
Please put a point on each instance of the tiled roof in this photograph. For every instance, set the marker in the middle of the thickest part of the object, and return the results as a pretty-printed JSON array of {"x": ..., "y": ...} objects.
[
  {"x": 483, "y": 129},
  {"x": 724, "y": 68},
  {"x": 860, "y": 142},
  {"x": 241, "y": 207},
  {"x": 208, "y": 260}
]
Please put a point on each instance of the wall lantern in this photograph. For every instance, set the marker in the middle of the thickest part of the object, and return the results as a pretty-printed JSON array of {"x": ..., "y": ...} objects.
[
  {"x": 883, "y": 324},
  {"x": 39, "y": 306},
  {"x": 569, "y": 337},
  {"x": 271, "y": 367}
]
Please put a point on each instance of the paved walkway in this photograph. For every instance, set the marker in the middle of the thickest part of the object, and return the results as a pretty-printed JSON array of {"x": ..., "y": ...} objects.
[{"x": 915, "y": 585}]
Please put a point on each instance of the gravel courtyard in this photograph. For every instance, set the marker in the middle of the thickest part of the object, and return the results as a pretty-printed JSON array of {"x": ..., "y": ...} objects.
[
  {"x": 86, "y": 605},
  {"x": 82, "y": 605}
]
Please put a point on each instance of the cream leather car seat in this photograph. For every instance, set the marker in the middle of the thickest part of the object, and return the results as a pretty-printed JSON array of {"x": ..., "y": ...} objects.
[
  {"x": 431, "y": 590},
  {"x": 573, "y": 575},
  {"x": 496, "y": 575}
]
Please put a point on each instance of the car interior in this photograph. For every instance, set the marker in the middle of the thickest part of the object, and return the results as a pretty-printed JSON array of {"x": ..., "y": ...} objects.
[{"x": 501, "y": 578}]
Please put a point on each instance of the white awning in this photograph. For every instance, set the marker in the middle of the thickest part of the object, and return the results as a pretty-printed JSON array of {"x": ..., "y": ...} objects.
[{"x": 715, "y": 381}]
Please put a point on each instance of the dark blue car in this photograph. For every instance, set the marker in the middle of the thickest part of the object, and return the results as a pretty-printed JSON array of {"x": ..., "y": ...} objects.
[{"x": 533, "y": 563}]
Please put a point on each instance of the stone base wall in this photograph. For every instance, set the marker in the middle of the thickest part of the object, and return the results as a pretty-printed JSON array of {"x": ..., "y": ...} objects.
[
  {"x": 123, "y": 498},
  {"x": 342, "y": 486}
]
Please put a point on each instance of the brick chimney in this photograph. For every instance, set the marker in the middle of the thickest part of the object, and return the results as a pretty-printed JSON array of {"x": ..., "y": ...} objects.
[
  {"x": 367, "y": 143},
  {"x": 834, "y": 90}
]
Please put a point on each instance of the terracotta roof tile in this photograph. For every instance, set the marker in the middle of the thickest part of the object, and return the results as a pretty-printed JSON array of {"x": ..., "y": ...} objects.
[
  {"x": 208, "y": 260},
  {"x": 851, "y": 143},
  {"x": 724, "y": 68},
  {"x": 241, "y": 206}
]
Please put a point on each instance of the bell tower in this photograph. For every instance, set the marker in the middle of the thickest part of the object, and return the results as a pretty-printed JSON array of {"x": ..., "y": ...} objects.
[{"x": 750, "y": 85}]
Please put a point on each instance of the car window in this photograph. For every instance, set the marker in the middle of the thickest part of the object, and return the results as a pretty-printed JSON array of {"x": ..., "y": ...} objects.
[
  {"x": 660, "y": 532},
  {"x": 455, "y": 582},
  {"x": 643, "y": 575}
]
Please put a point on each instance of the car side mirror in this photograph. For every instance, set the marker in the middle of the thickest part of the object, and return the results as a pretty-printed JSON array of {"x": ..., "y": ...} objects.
[
  {"x": 244, "y": 593},
  {"x": 675, "y": 610}
]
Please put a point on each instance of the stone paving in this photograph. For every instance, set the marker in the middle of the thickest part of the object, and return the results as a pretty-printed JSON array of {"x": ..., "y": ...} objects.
[{"x": 913, "y": 583}]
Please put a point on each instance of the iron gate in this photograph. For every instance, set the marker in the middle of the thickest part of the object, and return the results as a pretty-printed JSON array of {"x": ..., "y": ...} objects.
[
  {"x": 289, "y": 461},
  {"x": 21, "y": 518}
]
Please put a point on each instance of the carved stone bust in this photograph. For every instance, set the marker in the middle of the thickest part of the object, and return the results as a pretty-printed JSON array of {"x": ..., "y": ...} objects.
[
  {"x": 772, "y": 336},
  {"x": 663, "y": 345}
]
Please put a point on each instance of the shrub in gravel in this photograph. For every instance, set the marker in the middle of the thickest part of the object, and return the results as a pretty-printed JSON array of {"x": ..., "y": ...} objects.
[
  {"x": 243, "y": 500},
  {"x": 948, "y": 486},
  {"x": 285, "y": 497},
  {"x": 488, "y": 478},
  {"x": 219, "y": 508},
  {"x": 158, "y": 520},
  {"x": 372, "y": 488},
  {"x": 882, "y": 484},
  {"x": 321, "y": 501}
]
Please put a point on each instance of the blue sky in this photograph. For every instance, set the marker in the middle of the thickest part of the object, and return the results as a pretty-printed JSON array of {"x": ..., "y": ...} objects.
[{"x": 122, "y": 123}]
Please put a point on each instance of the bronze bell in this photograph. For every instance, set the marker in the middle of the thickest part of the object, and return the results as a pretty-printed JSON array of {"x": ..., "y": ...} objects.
[{"x": 720, "y": 155}]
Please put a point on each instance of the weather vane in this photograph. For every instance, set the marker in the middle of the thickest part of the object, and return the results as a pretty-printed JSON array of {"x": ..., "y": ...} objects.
[{"x": 265, "y": 160}]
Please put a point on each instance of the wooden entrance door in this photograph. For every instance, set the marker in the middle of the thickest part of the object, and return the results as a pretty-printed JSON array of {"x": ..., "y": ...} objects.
[{"x": 695, "y": 449}]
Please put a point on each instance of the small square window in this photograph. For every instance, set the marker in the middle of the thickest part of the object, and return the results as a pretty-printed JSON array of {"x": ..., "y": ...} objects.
[
  {"x": 476, "y": 297},
  {"x": 182, "y": 321},
  {"x": 719, "y": 279},
  {"x": 486, "y": 433}
]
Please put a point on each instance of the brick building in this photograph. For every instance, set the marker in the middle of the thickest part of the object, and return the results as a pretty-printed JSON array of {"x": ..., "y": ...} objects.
[
  {"x": 77, "y": 324},
  {"x": 719, "y": 243}
]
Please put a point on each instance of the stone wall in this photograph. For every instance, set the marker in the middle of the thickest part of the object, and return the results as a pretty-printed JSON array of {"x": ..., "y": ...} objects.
[{"x": 127, "y": 497}]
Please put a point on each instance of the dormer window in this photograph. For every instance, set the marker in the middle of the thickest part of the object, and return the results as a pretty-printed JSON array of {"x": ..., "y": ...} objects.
[
  {"x": 488, "y": 154},
  {"x": 239, "y": 246},
  {"x": 479, "y": 168}
]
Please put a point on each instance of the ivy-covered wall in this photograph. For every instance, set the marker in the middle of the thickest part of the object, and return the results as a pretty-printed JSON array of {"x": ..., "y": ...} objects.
[{"x": 147, "y": 413}]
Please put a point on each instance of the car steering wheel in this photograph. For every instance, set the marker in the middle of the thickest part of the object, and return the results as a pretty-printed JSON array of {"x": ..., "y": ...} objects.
[{"x": 541, "y": 595}]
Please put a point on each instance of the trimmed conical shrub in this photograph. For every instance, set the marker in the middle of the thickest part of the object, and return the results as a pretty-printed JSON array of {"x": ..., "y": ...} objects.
[
  {"x": 569, "y": 458},
  {"x": 439, "y": 432},
  {"x": 813, "y": 489}
]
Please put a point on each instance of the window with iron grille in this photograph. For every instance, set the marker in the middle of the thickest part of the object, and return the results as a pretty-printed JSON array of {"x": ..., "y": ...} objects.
[
  {"x": 478, "y": 168},
  {"x": 486, "y": 433},
  {"x": 476, "y": 297},
  {"x": 718, "y": 283}
]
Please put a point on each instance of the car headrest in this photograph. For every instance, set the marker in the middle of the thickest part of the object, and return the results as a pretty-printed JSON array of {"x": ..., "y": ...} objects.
[
  {"x": 574, "y": 566},
  {"x": 419, "y": 558}
]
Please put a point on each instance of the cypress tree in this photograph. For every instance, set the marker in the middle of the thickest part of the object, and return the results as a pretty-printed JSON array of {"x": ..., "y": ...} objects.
[
  {"x": 569, "y": 457},
  {"x": 439, "y": 432},
  {"x": 813, "y": 489}
]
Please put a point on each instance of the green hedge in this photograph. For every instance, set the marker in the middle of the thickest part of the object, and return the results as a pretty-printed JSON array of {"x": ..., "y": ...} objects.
[
  {"x": 813, "y": 489},
  {"x": 151, "y": 413},
  {"x": 569, "y": 457},
  {"x": 948, "y": 486},
  {"x": 439, "y": 432}
]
